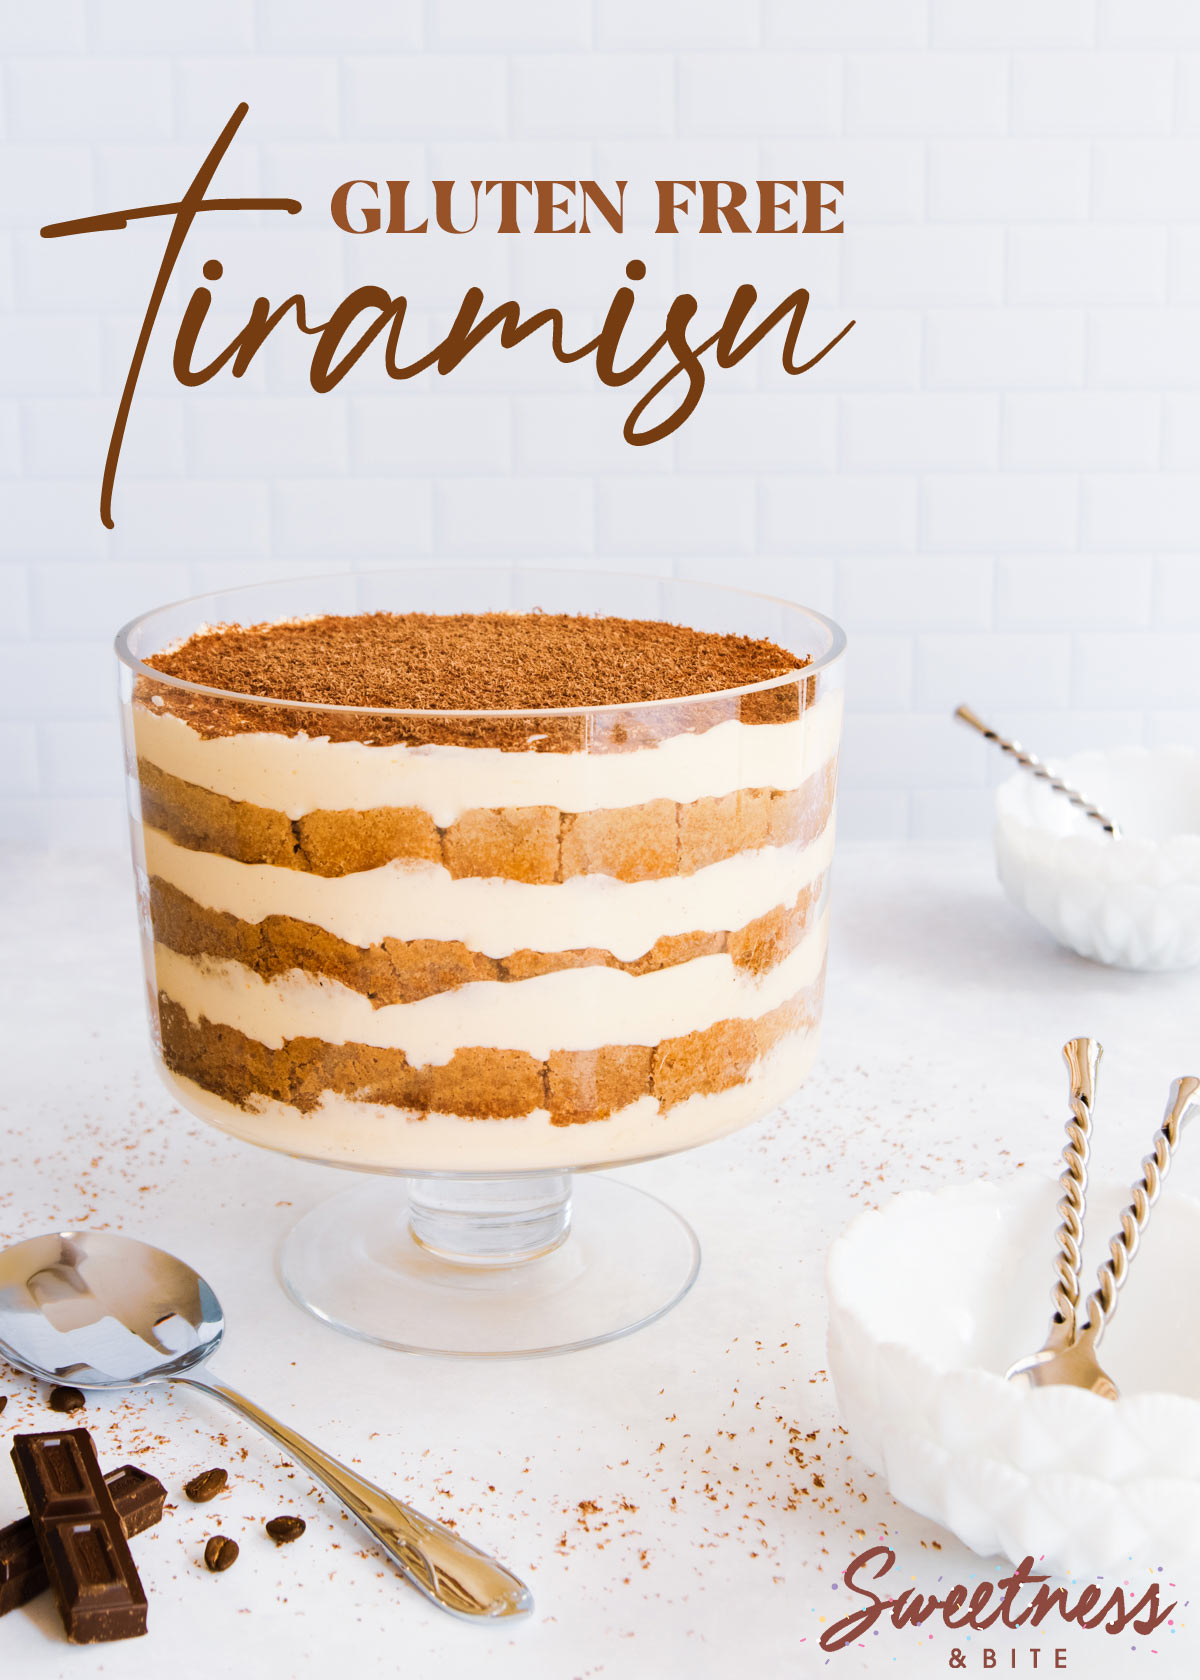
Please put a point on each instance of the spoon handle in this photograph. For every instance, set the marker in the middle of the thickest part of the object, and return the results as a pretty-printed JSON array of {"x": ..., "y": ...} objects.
[
  {"x": 447, "y": 1569},
  {"x": 1102, "y": 1302},
  {"x": 1031, "y": 762},
  {"x": 1082, "y": 1056}
]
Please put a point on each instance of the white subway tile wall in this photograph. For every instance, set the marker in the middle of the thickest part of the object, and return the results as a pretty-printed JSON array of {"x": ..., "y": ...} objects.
[{"x": 994, "y": 481}]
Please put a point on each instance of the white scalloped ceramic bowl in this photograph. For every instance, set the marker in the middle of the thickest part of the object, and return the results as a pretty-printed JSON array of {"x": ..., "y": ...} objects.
[
  {"x": 1134, "y": 903},
  {"x": 932, "y": 1298}
]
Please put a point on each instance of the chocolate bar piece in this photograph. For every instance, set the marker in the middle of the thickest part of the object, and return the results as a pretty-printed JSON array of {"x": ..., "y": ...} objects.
[
  {"x": 139, "y": 1499},
  {"x": 79, "y": 1534}
]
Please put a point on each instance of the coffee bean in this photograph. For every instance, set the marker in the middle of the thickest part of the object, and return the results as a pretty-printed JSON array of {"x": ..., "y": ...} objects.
[
  {"x": 207, "y": 1485},
  {"x": 221, "y": 1553},
  {"x": 66, "y": 1400},
  {"x": 283, "y": 1529}
]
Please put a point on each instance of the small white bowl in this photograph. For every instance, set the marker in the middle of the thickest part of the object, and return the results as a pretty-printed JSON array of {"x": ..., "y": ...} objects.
[
  {"x": 934, "y": 1296},
  {"x": 1132, "y": 902}
]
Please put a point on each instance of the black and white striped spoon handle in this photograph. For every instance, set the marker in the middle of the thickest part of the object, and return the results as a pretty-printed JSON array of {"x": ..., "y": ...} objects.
[{"x": 1031, "y": 762}]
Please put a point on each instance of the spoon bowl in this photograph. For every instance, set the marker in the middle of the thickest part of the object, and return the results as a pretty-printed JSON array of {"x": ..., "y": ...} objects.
[
  {"x": 104, "y": 1311},
  {"x": 1074, "y": 1365}
]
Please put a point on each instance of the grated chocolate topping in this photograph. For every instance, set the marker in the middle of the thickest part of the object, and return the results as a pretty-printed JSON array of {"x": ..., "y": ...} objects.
[{"x": 480, "y": 662}]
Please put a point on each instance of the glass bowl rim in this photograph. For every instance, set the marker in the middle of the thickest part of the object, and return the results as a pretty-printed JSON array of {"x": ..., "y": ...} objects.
[{"x": 837, "y": 646}]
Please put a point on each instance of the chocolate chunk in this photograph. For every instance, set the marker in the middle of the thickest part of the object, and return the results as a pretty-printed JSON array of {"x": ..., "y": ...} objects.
[
  {"x": 66, "y": 1400},
  {"x": 80, "y": 1536},
  {"x": 283, "y": 1529},
  {"x": 138, "y": 1496},
  {"x": 207, "y": 1485},
  {"x": 139, "y": 1499},
  {"x": 221, "y": 1553},
  {"x": 3, "y": 1401}
]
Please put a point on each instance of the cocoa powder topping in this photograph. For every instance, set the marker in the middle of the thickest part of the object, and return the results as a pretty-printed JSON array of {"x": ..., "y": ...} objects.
[{"x": 472, "y": 661}]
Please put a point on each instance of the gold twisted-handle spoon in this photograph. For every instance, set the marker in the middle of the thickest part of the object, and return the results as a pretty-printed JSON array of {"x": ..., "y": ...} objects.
[
  {"x": 1077, "y": 1364},
  {"x": 1031, "y": 762},
  {"x": 1082, "y": 1056}
]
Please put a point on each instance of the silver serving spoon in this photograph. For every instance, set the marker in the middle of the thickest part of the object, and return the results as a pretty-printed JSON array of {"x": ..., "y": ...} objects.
[
  {"x": 1031, "y": 762},
  {"x": 1075, "y": 1363},
  {"x": 103, "y": 1311}
]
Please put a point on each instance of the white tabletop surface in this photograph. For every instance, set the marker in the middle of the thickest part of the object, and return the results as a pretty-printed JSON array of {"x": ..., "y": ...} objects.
[{"x": 683, "y": 1501}]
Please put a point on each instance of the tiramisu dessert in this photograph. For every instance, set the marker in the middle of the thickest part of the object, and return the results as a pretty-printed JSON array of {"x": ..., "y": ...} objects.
[{"x": 484, "y": 892}]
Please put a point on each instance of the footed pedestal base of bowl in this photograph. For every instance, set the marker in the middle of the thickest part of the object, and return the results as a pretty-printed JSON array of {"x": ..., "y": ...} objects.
[{"x": 506, "y": 1267}]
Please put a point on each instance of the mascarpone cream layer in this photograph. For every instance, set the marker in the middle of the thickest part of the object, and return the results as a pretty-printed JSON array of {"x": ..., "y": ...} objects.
[
  {"x": 574, "y": 1009},
  {"x": 371, "y": 1135},
  {"x": 409, "y": 899},
  {"x": 299, "y": 774}
]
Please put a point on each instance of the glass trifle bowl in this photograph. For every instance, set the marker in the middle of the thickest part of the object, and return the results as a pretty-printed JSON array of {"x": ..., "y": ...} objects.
[{"x": 477, "y": 942}]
